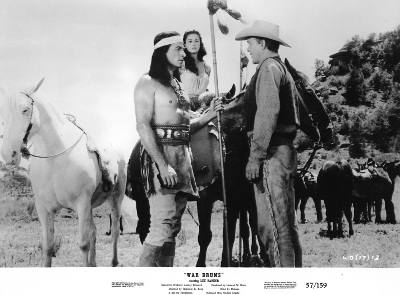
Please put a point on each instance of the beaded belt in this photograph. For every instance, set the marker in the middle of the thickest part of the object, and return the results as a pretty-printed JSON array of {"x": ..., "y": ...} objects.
[{"x": 172, "y": 134}]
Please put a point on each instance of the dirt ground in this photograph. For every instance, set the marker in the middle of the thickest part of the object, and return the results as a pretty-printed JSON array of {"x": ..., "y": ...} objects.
[{"x": 371, "y": 246}]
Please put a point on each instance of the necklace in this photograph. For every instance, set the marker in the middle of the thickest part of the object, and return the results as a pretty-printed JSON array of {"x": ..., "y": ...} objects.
[{"x": 180, "y": 98}]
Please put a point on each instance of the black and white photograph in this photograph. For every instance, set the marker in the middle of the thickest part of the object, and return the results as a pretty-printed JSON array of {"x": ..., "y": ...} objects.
[{"x": 220, "y": 138}]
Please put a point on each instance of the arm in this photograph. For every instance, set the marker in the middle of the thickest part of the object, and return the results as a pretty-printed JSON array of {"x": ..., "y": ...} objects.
[
  {"x": 204, "y": 80},
  {"x": 144, "y": 98},
  {"x": 268, "y": 106},
  {"x": 207, "y": 69},
  {"x": 211, "y": 113}
]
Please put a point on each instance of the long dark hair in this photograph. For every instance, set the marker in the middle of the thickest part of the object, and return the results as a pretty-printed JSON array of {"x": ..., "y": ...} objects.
[
  {"x": 190, "y": 63},
  {"x": 159, "y": 61}
]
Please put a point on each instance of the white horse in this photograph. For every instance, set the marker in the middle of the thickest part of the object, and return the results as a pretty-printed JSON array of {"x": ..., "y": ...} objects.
[{"x": 63, "y": 173}]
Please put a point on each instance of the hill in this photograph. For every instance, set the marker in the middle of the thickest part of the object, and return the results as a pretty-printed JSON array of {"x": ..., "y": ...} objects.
[{"x": 360, "y": 89}]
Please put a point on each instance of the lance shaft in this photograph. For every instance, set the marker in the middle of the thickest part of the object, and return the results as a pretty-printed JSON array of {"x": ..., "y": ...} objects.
[
  {"x": 225, "y": 216},
  {"x": 240, "y": 211}
]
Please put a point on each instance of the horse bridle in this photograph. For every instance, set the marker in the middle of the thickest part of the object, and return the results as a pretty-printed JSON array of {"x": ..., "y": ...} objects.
[{"x": 24, "y": 147}]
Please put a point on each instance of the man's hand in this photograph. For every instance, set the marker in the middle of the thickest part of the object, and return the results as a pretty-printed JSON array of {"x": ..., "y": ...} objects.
[
  {"x": 253, "y": 170},
  {"x": 168, "y": 176},
  {"x": 216, "y": 105}
]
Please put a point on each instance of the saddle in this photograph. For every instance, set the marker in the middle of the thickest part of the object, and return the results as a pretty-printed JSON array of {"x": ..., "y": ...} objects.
[
  {"x": 206, "y": 158},
  {"x": 108, "y": 168}
]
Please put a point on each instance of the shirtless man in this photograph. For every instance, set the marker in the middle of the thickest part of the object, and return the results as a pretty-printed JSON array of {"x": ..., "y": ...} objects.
[{"x": 164, "y": 123}]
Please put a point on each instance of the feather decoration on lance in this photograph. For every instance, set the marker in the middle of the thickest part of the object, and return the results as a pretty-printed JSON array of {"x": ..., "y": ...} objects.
[
  {"x": 214, "y": 5},
  {"x": 244, "y": 60},
  {"x": 235, "y": 14},
  {"x": 222, "y": 27}
]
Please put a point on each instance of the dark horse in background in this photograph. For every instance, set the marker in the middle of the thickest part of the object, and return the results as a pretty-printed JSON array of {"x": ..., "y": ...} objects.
[
  {"x": 315, "y": 122},
  {"x": 305, "y": 186},
  {"x": 371, "y": 187},
  {"x": 335, "y": 186}
]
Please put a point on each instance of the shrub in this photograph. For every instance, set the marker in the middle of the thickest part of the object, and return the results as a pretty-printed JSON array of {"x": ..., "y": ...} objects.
[
  {"x": 334, "y": 81},
  {"x": 303, "y": 142},
  {"x": 367, "y": 69},
  {"x": 371, "y": 97},
  {"x": 344, "y": 128},
  {"x": 381, "y": 81}
]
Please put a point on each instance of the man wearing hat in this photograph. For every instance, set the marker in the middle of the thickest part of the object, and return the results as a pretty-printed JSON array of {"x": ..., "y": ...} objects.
[
  {"x": 163, "y": 123},
  {"x": 272, "y": 119}
]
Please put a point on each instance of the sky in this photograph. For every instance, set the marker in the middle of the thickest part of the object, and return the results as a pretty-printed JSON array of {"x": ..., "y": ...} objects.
[{"x": 92, "y": 52}]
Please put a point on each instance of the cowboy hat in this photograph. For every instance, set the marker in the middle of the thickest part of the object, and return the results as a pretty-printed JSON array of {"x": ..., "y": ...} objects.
[{"x": 261, "y": 29}]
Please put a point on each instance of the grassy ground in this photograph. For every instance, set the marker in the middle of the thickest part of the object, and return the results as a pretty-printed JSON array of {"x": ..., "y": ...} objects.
[
  {"x": 20, "y": 241},
  {"x": 20, "y": 231}
]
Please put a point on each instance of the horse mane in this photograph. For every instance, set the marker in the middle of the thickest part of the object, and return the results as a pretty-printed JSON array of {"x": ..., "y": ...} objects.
[
  {"x": 303, "y": 78},
  {"x": 51, "y": 110},
  {"x": 315, "y": 108},
  {"x": 297, "y": 75}
]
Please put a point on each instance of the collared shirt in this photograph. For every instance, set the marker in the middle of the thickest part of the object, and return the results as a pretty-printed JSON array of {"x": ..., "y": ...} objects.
[{"x": 268, "y": 106}]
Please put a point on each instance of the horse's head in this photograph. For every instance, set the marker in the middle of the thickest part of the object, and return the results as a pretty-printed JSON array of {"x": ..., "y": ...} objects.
[
  {"x": 234, "y": 117},
  {"x": 205, "y": 98},
  {"x": 19, "y": 119}
]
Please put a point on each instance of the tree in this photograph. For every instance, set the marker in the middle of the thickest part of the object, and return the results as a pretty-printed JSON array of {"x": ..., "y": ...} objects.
[
  {"x": 396, "y": 73},
  {"x": 391, "y": 49},
  {"x": 355, "y": 88},
  {"x": 357, "y": 147},
  {"x": 320, "y": 68}
]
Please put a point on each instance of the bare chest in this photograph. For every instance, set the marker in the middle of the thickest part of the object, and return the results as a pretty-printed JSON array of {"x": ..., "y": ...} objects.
[{"x": 169, "y": 108}]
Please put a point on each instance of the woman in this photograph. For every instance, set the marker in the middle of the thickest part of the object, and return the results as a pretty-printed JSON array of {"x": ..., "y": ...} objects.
[{"x": 195, "y": 74}]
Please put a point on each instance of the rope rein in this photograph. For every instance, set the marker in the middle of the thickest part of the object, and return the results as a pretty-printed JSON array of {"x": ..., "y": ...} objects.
[
  {"x": 191, "y": 214},
  {"x": 26, "y": 152}
]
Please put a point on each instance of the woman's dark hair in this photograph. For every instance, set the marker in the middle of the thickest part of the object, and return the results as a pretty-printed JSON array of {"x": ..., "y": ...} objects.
[
  {"x": 159, "y": 61},
  {"x": 190, "y": 63}
]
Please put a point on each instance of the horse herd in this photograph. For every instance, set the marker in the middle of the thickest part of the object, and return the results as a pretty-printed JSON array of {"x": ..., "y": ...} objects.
[
  {"x": 65, "y": 172},
  {"x": 342, "y": 187}
]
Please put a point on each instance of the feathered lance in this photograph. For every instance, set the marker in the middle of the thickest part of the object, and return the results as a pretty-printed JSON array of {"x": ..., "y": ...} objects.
[
  {"x": 213, "y": 6},
  {"x": 243, "y": 62}
]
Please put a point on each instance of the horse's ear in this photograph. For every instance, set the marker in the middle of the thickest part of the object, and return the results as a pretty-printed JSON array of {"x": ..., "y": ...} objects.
[
  {"x": 37, "y": 86},
  {"x": 231, "y": 92},
  {"x": 291, "y": 69}
]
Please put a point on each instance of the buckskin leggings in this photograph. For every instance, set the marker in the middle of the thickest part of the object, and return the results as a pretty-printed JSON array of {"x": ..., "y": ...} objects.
[{"x": 276, "y": 216}]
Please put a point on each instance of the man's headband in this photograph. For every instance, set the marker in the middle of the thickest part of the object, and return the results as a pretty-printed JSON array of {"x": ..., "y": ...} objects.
[{"x": 168, "y": 41}]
